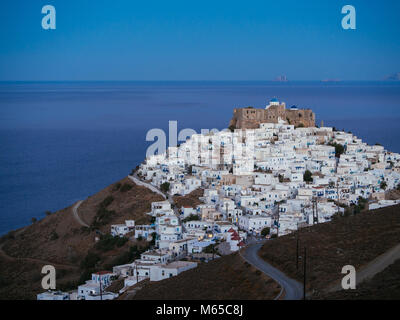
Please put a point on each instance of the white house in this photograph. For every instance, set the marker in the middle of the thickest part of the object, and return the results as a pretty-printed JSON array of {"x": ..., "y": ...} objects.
[{"x": 163, "y": 271}]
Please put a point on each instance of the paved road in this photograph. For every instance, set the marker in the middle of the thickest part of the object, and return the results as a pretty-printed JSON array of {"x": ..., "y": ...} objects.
[
  {"x": 293, "y": 289},
  {"x": 76, "y": 215}
]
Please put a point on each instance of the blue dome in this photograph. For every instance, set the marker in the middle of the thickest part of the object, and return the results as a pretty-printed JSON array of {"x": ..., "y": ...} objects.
[
  {"x": 274, "y": 100},
  {"x": 293, "y": 107}
]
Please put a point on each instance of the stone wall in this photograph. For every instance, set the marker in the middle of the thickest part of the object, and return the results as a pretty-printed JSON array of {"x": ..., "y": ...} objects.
[{"x": 250, "y": 118}]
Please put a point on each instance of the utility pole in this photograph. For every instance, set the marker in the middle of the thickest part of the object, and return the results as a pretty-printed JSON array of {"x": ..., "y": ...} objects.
[
  {"x": 277, "y": 227},
  {"x": 297, "y": 251},
  {"x": 101, "y": 291},
  {"x": 315, "y": 209},
  {"x": 337, "y": 195},
  {"x": 305, "y": 273}
]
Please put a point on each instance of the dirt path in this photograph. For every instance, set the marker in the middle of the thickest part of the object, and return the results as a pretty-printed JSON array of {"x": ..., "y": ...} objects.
[
  {"x": 5, "y": 256},
  {"x": 147, "y": 185},
  {"x": 372, "y": 268},
  {"x": 76, "y": 215}
]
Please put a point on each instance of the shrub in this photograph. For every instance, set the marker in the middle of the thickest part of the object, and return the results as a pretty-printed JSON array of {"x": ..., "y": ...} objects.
[
  {"x": 107, "y": 201},
  {"x": 117, "y": 186},
  {"x": 307, "y": 177},
  {"x": 90, "y": 261},
  {"x": 48, "y": 213},
  {"x": 265, "y": 231},
  {"x": 53, "y": 236},
  {"x": 103, "y": 217},
  {"x": 165, "y": 186},
  {"x": 191, "y": 217},
  {"x": 125, "y": 187},
  {"x": 108, "y": 242}
]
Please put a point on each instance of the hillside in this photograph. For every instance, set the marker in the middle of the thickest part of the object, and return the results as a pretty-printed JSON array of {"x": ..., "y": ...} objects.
[
  {"x": 189, "y": 200},
  {"x": 355, "y": 240},
  {"x": 228, "y": 277},
  {"x": 383, "y": 286},
  {"x": 59, "y": 240}
]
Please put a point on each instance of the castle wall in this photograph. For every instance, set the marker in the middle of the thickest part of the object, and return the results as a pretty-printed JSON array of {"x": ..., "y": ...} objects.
[{"x": 250, "y": 118}]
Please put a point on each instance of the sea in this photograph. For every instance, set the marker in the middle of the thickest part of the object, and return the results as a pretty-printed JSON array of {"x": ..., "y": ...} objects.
[{"x": 61, "y": 142}]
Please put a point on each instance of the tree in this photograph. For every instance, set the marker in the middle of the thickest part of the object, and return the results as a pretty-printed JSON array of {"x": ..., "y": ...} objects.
[
  {"x": 33, "y": 220},
  {"x": 307, "y": 177},
  {"x": 231, "y": 128},
  {"x": 339, "y": 149},
  {"x": 383, "y": 185},
  {"x": 265, "y": 231},
  {"x": 48, "y": 212},
  {"x": 165, "y": 186},
  {"x": 191, "y": 217}
]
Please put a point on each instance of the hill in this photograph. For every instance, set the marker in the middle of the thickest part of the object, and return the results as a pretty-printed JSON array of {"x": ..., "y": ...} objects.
[
  {"x": 228, "y": 277},
  {"x": 354, "y": 240},
  {"x": 60, "y": 240}
]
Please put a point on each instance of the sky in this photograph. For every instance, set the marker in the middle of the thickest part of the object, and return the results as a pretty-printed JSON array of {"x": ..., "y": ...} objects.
[{"x": 198, "y": 40}]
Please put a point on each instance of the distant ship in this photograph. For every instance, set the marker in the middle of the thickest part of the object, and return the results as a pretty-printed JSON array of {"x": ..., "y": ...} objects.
[
  {"x": 393, "y": 77},
  {"x": 282, "y": 78},
  {"x": 330, "y": 80}
]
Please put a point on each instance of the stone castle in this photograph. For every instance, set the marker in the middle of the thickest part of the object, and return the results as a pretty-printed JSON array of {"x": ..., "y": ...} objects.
[{"x": 274, "y": 112}]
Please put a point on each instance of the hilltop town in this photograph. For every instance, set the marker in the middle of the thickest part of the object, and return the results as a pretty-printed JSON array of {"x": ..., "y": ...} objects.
[{"x": 273, "y": 172}]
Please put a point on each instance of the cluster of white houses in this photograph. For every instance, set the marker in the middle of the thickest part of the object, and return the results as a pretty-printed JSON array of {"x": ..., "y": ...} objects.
[{"x": 252, "y": 179}]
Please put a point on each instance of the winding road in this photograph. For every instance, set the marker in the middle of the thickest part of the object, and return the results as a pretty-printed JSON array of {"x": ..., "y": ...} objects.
[{"x": 293, "y": 290}]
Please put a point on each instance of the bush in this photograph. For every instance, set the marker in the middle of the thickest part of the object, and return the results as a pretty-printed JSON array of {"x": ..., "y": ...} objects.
[
  {"x": 53, "y": 236},
  {"x": 125, "y": 187},
  {"x": 103, "y": 217},
  {"x": 307, "y": 177},
  {"x": 165, "y": 186},
  {"x": 90, "y": 261},
  {"x": 128, "y": 256},
  {"x": 191, "y": 217},
  {"x": 107, "y": 201},
  {"x": 108, "y": 242},
  {"x": 265, "y": 231},
  {"x": 48, "y": 213}
]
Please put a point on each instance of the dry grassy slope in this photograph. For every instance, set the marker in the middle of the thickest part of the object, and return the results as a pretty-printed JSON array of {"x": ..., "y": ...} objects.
[
  {"x": 228, "y": 277},
  {"x": 383, "y": 286},
  {"x": 132, "y": 204},
  {"x": 190, "y": 200},
  {"x": 354, "y": 240},
  {"x": 24, "y": 251}
]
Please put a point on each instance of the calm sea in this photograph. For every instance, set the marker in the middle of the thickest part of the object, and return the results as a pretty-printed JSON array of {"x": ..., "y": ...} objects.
[{"x": 61, "y": 142}]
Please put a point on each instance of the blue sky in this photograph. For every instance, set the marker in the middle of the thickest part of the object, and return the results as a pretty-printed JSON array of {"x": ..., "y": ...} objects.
[{"x": 198, "y": 40}]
